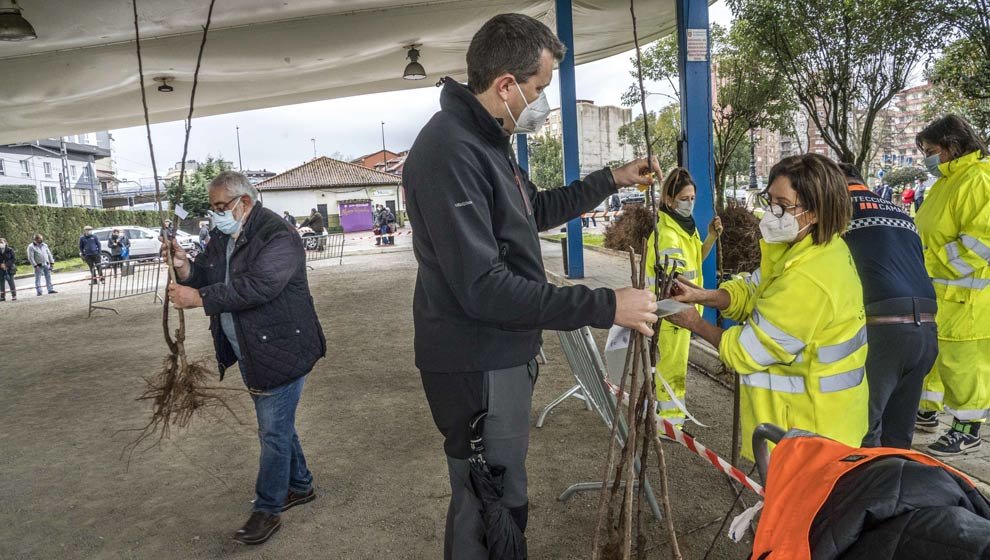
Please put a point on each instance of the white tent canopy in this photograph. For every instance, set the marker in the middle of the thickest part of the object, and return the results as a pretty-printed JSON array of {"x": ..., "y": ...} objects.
[{"x": 80, "y": 75}]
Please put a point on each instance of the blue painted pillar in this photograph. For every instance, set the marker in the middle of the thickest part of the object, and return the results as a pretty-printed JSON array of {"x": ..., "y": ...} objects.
[
  {"x": 522, "y": 152},
  {"x": 568, "y": 114},
  {"x": 694, "y": 69}
]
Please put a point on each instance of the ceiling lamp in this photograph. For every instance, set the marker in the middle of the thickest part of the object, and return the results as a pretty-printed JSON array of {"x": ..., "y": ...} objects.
[
  {"x": 414, "y": 70},
  {"x": 13, "y": 26},
  {"x": 165, "y": 88}
]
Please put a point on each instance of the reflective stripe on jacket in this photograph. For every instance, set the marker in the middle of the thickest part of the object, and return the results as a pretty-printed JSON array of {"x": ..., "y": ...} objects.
[
  {"x": 801, "y": 354},
  {"x": 954, "y": 224}
]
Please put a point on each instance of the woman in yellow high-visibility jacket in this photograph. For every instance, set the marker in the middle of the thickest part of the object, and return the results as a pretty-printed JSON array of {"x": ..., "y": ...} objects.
[
  {"x": 800, "y": 356},
  {"x": 678, "y": 239},
  {"x": 954, "y": 224}
]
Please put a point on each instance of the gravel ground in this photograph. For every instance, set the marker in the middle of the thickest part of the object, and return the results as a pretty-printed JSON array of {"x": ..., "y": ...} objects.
[{"x": 69, "y": 388}]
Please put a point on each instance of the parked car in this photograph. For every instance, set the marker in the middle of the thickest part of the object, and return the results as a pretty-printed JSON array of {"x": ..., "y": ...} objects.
[
  {"x": 632, "y": 198},
  {"x": 144, "y": 241}
]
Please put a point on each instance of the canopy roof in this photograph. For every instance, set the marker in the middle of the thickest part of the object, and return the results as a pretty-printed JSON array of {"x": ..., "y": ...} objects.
[{"x": 80, "y": 75}]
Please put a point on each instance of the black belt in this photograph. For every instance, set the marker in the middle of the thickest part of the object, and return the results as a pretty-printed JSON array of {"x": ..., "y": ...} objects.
[{"x": 901, "y": 319}]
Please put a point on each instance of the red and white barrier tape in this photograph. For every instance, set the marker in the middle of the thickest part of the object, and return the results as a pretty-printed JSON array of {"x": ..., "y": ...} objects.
[
  {"x": 398, "y": 233},
  {"x": 609, "y": 214},
  {"x": 720, "y": 464}
]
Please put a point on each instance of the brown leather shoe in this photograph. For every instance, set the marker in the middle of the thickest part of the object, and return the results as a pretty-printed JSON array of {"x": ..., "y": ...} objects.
[
  {"x": 298, "y": 498},
  {"x": 259, "y": 528}
]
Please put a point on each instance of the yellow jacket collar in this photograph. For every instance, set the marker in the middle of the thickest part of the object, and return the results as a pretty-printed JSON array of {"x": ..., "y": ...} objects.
[
  {"x": 954, "y": 166},
  {"x": 778, "y": 257}
]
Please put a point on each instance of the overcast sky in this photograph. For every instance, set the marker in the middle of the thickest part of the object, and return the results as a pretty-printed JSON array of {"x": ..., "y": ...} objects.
[{"x": 279, "y": 138}]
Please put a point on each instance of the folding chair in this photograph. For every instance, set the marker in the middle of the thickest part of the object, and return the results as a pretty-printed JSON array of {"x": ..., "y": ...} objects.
[{"x": 589, "y": 371}]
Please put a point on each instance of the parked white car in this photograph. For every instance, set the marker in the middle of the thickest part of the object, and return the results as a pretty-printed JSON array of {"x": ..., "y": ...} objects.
[{"x": 144, "y": 241}]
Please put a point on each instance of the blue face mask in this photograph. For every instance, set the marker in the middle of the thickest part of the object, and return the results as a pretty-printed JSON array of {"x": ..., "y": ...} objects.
[
  {"x": 932, "y": 162},
  {"x": 225, "y": 221}
]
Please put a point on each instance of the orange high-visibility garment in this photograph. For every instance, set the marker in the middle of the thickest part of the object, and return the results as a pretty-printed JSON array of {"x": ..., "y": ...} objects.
[{"x": 804, "y": 469}]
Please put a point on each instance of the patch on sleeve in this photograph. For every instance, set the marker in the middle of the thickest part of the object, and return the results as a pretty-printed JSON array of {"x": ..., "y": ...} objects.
[{"x": 463, "y": 204}]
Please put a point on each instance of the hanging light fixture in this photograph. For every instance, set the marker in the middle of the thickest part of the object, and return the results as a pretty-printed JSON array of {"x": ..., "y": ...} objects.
[
  {"x": 414, "y": 70},
  {"x": 13, "y": 26},
  {"x": 165, "y": 88}
]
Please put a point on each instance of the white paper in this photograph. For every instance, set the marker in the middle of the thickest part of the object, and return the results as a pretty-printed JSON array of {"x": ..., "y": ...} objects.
[
  {"x": 739, "y": 525},
  {"x": 180, "y": 212},
  {"x": 668, "y": 307}
]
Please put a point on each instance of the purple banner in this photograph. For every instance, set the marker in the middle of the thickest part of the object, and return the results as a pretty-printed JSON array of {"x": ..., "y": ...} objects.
[{"x": 356, "y": 216}]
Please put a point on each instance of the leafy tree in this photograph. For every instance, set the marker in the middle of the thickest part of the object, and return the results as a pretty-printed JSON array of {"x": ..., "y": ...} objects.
[
  {"x": 843, "y": 59},
  {"x": 961, "y": 84},
  {"x": 546, "y": 162},
  {"x": 665, "y": 128},
  {"x": 195, "y": 197},
  {"x": 904, "y": 175},
  {"x": 751, "y": 93}
]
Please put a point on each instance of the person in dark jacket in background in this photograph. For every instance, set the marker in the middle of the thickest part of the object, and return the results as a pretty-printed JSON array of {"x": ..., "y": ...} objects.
[
  {"x": 900, "y": 312},
  {"x": 252, "y": 283},
  {"x": 289, "y": 218},
  {"x": 8, "y": 267},
  {"x": 482, "y": 296},
  {"x": 314, "y": 222},
  {"x": 89, "y": 250},
  {"x": 116, "y": 245}
]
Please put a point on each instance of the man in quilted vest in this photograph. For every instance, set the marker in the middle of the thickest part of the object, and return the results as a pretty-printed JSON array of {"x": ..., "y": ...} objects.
[{"x": 252, "y": 283}]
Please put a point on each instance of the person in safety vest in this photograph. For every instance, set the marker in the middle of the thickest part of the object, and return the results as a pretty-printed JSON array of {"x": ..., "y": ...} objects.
[
  {"x": 676, "y": 236},
  {"x": 801, "y": 355},
  {"x": 954, "y": 224}
]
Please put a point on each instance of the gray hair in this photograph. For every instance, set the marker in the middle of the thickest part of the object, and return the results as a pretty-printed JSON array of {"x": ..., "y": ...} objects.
[{"x": 236, "y": 184}]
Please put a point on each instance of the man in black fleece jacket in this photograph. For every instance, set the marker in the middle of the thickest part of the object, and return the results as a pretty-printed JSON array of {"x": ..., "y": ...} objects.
[{"x": 482, "y": 296}]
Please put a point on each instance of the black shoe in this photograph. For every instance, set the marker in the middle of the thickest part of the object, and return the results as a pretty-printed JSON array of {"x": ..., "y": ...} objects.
[
  {"x": 954, "y": 443},
  {"x": 259, "y": 528},
  {"x": 926, "y": 421},
  {"x": 298, "y": 498},
  {"x": 52, "y": 291}
]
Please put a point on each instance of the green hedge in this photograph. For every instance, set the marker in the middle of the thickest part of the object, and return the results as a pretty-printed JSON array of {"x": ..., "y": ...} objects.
[
  {"x": 18, "y": 194},
  {"x": 61, "y": 227}
]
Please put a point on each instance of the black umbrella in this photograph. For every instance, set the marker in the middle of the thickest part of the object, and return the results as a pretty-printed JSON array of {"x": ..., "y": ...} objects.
[{"x": 505, "y": 539}]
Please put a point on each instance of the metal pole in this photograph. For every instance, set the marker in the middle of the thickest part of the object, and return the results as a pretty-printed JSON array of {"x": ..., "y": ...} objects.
[
  {"x": 568, "y": 114},
  {"x": 522, "y": 152},
  {"x": 384, "y": 157},
  {"x": 694, "y": 70},
  {"x": 313, "y": 140},
  {"x": 66, "y": 185},
  {"x": 752, "y": 159},
  {"x": 240, "y": 162}
]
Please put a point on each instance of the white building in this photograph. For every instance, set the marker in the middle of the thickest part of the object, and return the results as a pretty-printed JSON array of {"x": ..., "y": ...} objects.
[
  {"x": 328, "y": 185},
  {"x": 40, "y": 164},
  {"x": 598, "y": 129}
]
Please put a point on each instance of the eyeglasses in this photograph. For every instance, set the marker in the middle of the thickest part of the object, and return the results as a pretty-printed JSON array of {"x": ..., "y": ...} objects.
[
  {"x": 223, "y": 212},
  {"x": 776, "y": 209}
]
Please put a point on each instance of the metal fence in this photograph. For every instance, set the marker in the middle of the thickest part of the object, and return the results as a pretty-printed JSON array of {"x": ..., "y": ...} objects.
[
  {"x": 124, "y": 279},
  {"x": 324, "y": 247},
  {"x": 589, "y": 371}
]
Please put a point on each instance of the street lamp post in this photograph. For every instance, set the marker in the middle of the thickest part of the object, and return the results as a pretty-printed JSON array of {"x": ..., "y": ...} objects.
[
  {"x": 240, "y": 162},
  {"x": 384, "y": 159},
  {"x": 752, "y": 159}
]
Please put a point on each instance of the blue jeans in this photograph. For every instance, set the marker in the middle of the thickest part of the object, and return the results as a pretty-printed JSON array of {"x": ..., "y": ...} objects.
[
  {"x": 38, "y": 271},
  {"x": 7, "y": 277},
  {"x": 282, "y": 467}
]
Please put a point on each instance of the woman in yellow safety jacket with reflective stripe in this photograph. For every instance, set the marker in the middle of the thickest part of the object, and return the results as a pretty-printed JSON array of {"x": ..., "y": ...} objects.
[
  {"x": 676, "y": 237},
  {"x": 954, "y": 224},
  {"x": 800, "y": 356}
]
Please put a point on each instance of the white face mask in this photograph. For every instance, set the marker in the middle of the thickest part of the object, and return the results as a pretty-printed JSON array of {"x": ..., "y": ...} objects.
[
  {"x": 226, "y": 223},
  {"x": 533, "y": 116},
  {"x": 932, "y": 162},
  {"x": 780, "y": 230},
  {"x": 3, "y": 246},
  {"x": 684, "y": 208}
]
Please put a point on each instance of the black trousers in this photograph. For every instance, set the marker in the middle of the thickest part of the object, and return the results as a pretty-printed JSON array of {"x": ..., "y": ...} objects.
[
  {"x": 899, "y": 358},
  {"x": 454, "y": 399}
]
